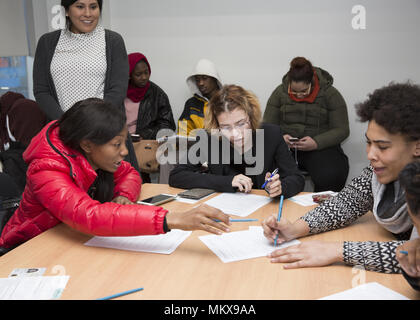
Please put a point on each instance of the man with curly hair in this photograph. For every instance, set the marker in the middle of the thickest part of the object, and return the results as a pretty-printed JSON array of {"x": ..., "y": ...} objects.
[{"x": 392, "y": 141}]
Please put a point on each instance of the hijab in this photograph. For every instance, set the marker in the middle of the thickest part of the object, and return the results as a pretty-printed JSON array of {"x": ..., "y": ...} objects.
[{"x": 136, "y": 94}]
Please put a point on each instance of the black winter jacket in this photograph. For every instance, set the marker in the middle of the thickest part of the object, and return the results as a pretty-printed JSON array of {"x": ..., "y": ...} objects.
[{"x": 155, "y": 113}]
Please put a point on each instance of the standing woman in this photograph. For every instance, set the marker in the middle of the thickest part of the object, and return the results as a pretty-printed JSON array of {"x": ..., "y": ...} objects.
[{"x": 84, "y": 60}]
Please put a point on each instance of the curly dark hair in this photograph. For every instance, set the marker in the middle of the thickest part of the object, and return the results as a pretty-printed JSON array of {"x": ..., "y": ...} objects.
[
  {"x": 410, "y": 180},
  {"x": 395, "y": 107}
]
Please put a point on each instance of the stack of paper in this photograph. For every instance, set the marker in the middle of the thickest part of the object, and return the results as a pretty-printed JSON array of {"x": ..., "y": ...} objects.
[
  {"x": 242, "y": 245},
  {"x": 162, "y": 243},
  {"x": 239, "y": 204},
  {"x": 367, "y": 291},
  {"x": 32, "y": 288}
]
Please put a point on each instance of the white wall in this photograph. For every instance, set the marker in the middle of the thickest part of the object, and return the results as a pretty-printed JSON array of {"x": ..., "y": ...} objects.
[
  {"x": 13, "y": 40},
  {"x": 253, "y": 42}
]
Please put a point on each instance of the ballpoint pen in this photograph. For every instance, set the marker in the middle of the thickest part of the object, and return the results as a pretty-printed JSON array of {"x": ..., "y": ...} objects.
[
  {"x": 121, "y": 294},
  {"x": 279, "y": 217},
  {"x": 269, "y": 179},
  {"x": 237, "y": 220}
]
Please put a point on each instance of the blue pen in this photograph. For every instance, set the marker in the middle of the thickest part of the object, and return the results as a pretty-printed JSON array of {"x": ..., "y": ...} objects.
[
  {"x": 237, "y": 220},
  {"x": 120, "y": 294},
  {"x": 404, "y": 252},
  {"x": 269, "y": 179},
  {"x": 279, "y": 217}
]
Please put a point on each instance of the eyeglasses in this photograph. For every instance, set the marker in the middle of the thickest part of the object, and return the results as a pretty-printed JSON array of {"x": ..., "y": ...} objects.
[
  {"x": 304, "y": 93},
  {"x": 238, "y": 126}
]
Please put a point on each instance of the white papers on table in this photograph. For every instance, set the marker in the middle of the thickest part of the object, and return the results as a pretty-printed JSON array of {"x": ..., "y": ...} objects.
[
  {"x": 32, "y": 288},
  {"x": 162, "y": 243},
  {"x": 242, "y": 245},
  {"x": 367, "y": 291},
  {"x": 306, "y": 199},
  {"x": 239, "y": 204}
]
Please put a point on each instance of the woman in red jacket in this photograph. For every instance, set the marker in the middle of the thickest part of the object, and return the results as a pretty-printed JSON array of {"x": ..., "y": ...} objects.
[{"x": 77, "y": 175}]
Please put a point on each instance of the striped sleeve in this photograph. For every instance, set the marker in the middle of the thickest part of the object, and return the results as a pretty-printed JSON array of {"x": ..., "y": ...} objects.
[{"x": 348, "y": 205}]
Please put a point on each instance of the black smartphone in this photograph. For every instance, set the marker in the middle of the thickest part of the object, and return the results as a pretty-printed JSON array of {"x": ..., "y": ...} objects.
[
  {"x": 195, "y": 193},
  {"x": 293, "y": 140},
  {"x": 135, "y": 137},
  {"x": 158, "y": 199}
]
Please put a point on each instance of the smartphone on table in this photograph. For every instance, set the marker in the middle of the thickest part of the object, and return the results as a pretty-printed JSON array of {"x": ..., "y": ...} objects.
[{"x": 157, "y": 199}]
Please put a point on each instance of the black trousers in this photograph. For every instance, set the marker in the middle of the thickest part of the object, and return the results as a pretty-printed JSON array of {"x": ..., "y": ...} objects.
[{"x": 328, "y": 168}]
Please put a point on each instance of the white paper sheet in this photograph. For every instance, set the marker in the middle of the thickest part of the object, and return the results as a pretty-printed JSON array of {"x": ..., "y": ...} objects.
[
  {"x": 241, "y": 245},
  {"x": 162, "y": 243},
  {"x": 32, "y": 288},
  {"x": 367, "y": 291},
  {"x": 239, "y": 204}
]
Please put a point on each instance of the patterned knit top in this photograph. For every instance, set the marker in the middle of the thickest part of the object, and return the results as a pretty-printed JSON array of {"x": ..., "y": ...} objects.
[
  {"x": 355, "y": 200},
  {"x": 79, "y": 65}
]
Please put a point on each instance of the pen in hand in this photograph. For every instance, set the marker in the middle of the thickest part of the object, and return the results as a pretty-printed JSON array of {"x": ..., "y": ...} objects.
[
  {"x": 279, "y": 217},
  {"x": 269, "y": 179}
]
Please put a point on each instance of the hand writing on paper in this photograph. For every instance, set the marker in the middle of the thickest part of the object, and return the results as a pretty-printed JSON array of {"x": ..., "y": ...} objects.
[
  {"x": 242, "y": 182},
  {"x": 274, "y": 186},
  {"x": 199, "y": 218},
  {"x": 410, "y": 262},
  {"x": 308, "y": 254},
  {"x": 122, "y": 200},
  {"x": 283, "y": 228}
]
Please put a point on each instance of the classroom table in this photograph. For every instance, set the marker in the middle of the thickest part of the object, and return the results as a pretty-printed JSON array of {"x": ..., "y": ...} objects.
[{"x": 193, "y": 271}]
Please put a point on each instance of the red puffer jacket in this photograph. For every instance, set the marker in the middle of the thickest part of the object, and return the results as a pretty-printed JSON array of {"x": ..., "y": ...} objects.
[{"x": 58, "y": 179}]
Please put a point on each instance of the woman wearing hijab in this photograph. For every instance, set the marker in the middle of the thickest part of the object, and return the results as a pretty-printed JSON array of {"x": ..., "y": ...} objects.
[{"x": 147, "y": 106}]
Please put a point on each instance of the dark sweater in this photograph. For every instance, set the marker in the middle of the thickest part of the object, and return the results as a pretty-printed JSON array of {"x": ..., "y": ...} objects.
[
  {"x": 116, "y": 79},
  {"x": 219, "y": 175}
]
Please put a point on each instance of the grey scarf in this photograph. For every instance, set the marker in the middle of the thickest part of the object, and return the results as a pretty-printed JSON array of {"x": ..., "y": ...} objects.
[{"x": 393, "y": 215}]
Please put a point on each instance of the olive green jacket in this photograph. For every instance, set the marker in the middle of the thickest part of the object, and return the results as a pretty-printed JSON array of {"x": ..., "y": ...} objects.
[{"x": 325, "y": 120}]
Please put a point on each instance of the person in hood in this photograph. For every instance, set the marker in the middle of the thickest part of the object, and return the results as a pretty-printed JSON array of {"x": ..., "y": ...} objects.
[
  {"x": 313, "y": 116},
  {"x": 203, "y": 83},
  {"x": 20, "y": 120},
  {"x": 77, "y": 175}
]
